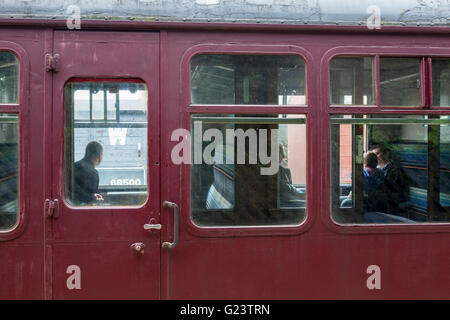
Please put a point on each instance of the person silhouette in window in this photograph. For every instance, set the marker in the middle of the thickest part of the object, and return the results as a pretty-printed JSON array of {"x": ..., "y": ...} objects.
[
  {"x": 86, "y": 179},
  {"x": 396, "y": 182},
  {"x": 289, "y": 195},
  {"x": 373, "y": 180}
]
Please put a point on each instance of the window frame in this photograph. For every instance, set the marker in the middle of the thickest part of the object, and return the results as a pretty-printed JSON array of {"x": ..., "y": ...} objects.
[
  {"x": 429, "y": 76},
  {"x": 102, "y": 79},
  {"x": 426, "y": 54},
  {"x": 21, "y": 110},
  {"x": 18, "y": 78},
  {"x": 188, "y": 109},
  {"x": 376, "y": 77}
]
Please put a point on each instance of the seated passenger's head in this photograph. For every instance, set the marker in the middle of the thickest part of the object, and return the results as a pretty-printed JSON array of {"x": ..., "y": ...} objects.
[
  {"x": 283, "y": 154},
  {"x": 94, "y": 152},
  {"x": 370, "y": 160},
  {"x": 382, "y": 153}
]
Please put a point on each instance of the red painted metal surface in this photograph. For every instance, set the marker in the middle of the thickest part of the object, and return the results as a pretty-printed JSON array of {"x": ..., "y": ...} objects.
[
  {"x": 21, "y": 110},
  {"x": 22, "y": 250},
  {"x": 318, "y": 259}
]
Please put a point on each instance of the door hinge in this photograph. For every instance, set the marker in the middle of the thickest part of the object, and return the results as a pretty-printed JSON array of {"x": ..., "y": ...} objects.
[{"x": 51, "y": 62}]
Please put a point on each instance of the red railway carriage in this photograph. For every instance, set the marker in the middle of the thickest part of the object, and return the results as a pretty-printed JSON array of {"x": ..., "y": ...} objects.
[{"x": 235, "y": 151}]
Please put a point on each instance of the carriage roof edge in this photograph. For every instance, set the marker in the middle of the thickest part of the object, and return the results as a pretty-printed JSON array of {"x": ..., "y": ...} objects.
[{"x": 291, "y": 12}]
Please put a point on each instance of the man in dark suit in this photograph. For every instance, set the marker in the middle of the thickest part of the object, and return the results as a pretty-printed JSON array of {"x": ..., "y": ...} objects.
[
  {"x": 85, "y": 188},
  {"x": 396, "y": 184}
]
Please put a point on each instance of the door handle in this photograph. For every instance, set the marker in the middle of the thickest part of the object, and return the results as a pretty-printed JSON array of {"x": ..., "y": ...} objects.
[
  {"x": 176, "y": 218},
  {"x": 150, "y": 226},
  {"x": 51, "y": 208}
]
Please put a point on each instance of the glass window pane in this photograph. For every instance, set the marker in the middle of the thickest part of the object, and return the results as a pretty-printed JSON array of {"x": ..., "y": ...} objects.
[
  {"x": 390, "y": 169},
  {"x": 106, "y": 143},
  {"x": 98, "y": 105},
  {"x": 81, "y": 104},
  {"x": 352, "y": 81},
  {"x": 247, "y": 79},
  {"x": 441, "y": 82},
  {"x": 9, "y": 175},
  {"x": 248, "y": 171},
  {"x": 400, "y": 81},
  {"x": 9, "y": 83}
]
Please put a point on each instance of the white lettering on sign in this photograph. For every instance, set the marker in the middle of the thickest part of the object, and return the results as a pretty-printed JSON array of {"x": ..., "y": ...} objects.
[
  {"x": 125, "y": 182},
  {"x": 374, "y": 281},
  {"x": 74, "y": 280},
  {"x": 117, "y": 134}
]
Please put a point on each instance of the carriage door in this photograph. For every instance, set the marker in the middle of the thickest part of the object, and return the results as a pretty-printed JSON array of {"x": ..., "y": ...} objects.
[{"x": 104, "y": 210}]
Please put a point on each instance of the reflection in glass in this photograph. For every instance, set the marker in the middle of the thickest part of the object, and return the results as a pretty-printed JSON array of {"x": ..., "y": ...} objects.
[
  {"x": 351, "y": 81},
  {"x": 9, "y": 82},
  {"x": 441, "y": 82},
  {"x": 411, "y": 152},
  {"x": 247, "y": 79},
  {"x": 9, "y": 175},
  {"x": 400, "y": 81},
  {"x": 114, "y": 115},
  {"x": 250, "y": 171}
]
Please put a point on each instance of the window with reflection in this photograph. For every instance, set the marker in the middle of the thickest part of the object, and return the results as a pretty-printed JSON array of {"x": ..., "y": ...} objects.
[
  {"x": 106, "y": 142},
  {"x": 9, "y": 79},
  {"x": 390, "y": 169},
  {"x": 9, "y": 171},
  {"x": 352, "y": 81},
  {"x": 441, "y": 82},
  {"x": 400, "y": 82},
  {"x": 248, "y": 170},
  {"x": 247, "y": 79}
]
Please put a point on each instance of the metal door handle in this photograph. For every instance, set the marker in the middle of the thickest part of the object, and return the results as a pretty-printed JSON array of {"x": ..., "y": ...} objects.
[
  {"x": 152, "y": 225},
  {"x": 51, "y": 208},
  {"x": 138, "y": 247},
  {"x": 149, "y": 226},
  {"x": 176, "y": 218}
]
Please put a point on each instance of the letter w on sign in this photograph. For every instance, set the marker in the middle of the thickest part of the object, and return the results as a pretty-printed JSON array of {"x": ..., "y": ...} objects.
[{"x": 117, "y": 134}]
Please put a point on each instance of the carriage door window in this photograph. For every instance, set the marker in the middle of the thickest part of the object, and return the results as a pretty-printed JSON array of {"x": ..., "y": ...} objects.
[
  {"x": 9, "y": 182},
  {"x": 105, "y": 142}
]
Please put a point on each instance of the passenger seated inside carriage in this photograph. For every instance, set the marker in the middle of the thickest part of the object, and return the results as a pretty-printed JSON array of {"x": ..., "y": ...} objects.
[
  {"x": 373, "y": 184},
  {"x": 413, "y": 153},
  {"x": 386, "y": 187},
  {"x": 289, "y": 196}
]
